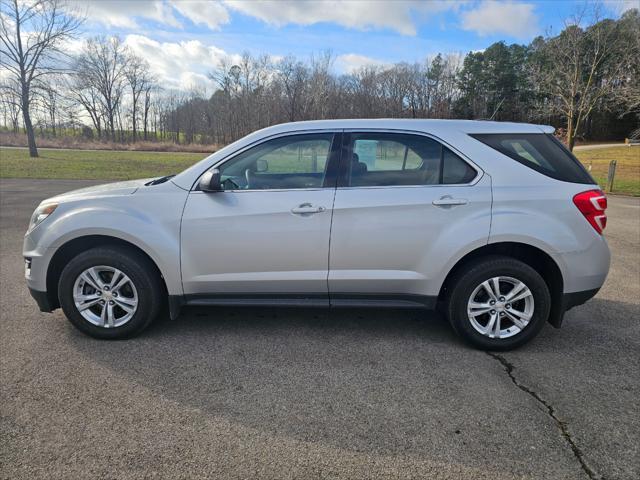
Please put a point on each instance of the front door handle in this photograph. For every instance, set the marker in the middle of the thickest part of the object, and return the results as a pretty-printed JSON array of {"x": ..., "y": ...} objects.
[
  {"x": 307, "y": 209},
  {"x": 448, "y": 200}
]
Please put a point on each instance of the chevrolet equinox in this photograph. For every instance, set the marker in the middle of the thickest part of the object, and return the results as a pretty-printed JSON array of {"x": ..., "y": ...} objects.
[{"x": 496, "y": 225}]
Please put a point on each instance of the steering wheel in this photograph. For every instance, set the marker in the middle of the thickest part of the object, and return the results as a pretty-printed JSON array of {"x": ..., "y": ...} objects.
[{"x": 230, "y": 183}]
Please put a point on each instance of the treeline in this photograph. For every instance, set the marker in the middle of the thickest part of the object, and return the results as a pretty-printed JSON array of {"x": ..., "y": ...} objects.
[{"x": 586, "y": 80}]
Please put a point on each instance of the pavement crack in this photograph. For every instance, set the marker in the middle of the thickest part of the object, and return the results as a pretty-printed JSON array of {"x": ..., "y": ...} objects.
[{"x": 562, "y": 426}]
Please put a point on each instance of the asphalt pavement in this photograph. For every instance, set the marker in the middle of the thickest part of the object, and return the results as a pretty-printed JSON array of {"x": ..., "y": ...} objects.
[{"x": 285, "y": 393}]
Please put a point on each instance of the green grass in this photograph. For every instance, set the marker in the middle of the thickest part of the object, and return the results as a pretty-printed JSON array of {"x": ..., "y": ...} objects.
[
  {"x": 123, "y": 165},
  {"x": 627, "y": 179},
  {"x": 92, "y": 165}
]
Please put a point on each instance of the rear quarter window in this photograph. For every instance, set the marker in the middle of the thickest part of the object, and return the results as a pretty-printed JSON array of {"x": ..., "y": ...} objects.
[{"x": 540, "y": 152}]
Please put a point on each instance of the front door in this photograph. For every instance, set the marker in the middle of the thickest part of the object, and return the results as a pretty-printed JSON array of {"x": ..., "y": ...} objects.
[{"x": 266, "y": 235}]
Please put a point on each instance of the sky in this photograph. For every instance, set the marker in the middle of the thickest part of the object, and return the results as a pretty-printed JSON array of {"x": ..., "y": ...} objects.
[{"x": 183, "y": 40}]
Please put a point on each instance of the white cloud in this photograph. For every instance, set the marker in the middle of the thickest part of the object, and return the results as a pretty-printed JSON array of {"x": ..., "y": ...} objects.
[
  {"x": 352, "y": 62},
  {"x": 511, "y": 18},
  {"x": 179, "y": 65},
  {"x": 402, "y": 16},
  {"x": 211, "y": 14},
  {"x": 122, "y": 13},
  {"x": 399, "y": 15},
  {"x": 73, "y": 46}
]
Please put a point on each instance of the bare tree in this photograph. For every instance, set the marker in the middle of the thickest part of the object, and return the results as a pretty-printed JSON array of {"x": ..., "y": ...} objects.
[
  {"x": 140, "y": 80},
  {"x": 70, "y": 112},
  {"x": 32, "y": 34},
  {"x": 579, "y": 69},
  {"x": 147, "y": 104},
  {"x": 294, "y": 77},
  {"x": 50, "y": 97},
  {"x": 101, "y": 68},
  {"x": 11, "y": 103},
  {"x": 89, "y": 97}
]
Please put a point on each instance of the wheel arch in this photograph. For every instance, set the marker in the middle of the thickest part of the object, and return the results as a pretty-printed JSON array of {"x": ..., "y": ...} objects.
[
  {"x": 535, "y": 257},
  {"x": 77, "y": 245}
]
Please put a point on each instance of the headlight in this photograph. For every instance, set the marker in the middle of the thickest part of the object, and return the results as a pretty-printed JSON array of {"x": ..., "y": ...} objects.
[{"x": 41, "y": 213}]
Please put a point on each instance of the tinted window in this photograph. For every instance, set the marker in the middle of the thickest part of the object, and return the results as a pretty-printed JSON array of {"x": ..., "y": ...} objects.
[
  {"x": 298, "y": 161},
  {"x": 387, "y": 159},
  {"x": 454, "y": 169},
  {"x": 541, "y": 152}
]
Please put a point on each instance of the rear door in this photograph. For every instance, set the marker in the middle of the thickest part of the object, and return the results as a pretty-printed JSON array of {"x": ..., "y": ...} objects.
[
  {"x": 267, "y": 233},
  {"x": 405, "y": 204}
]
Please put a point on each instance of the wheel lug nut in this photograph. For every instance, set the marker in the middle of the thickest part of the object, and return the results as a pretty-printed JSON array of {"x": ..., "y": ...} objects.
[
  {"x": 492, "y": 302},
  {"x": 101, "y": 302},
  {"x": 114, "y": 294},
  {"x": 502, "y": 314},
  {"x": 508, "y": 305},
  {"x": 502, "y": 299},
  {"x": 492, "y": 312},
  {"x": 111, "y": 302}
]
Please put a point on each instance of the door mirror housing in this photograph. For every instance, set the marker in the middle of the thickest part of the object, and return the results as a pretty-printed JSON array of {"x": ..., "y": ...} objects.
[{"x": 210, "y": 181}]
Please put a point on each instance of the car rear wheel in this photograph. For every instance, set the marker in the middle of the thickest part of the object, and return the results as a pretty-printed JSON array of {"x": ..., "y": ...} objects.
[
  {"x": 498, "y": 303},
  {"x": 110, "y": 292}
]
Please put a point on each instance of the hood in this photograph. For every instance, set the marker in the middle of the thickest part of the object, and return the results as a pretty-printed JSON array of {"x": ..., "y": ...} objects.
[{"x": 105, "y": 190}]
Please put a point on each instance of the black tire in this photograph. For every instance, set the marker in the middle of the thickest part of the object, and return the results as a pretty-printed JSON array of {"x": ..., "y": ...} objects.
[
  {"x": 471, "y": 276},
  {"x": 139, "y": 269}
]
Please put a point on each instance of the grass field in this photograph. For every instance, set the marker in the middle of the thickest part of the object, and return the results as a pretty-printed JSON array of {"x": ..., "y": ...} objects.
[
  {"x": 123, "y": 165},
  {"x": 90, "y": 165},
  {"x": 627, "y": 179}
]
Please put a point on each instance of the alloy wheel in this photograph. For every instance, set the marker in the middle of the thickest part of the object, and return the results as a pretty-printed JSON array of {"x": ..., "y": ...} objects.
[
  {"x": 500, "y": 307},
  {"x": 105, "y": 296}
]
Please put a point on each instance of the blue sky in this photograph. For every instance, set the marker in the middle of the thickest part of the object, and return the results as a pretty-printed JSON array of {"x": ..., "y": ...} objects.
[{"x": 185, "y": 39}]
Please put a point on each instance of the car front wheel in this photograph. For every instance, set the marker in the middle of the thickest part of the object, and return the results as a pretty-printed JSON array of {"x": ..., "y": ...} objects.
[
  {"x": 110, "y": 292},
  {"x": 498, "y": 303}
]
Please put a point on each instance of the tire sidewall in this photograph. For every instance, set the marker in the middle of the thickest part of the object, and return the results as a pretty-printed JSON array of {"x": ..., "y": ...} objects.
[
  {"x": 485, "y": 270},
  {"x": 130, "y": 266}
]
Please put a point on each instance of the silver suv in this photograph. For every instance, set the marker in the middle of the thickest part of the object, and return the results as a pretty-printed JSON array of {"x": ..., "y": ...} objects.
[{"x": 496, "y": 225}]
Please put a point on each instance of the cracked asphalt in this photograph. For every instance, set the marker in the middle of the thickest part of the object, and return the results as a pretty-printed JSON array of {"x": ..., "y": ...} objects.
[{"x": 278, "y": 393}]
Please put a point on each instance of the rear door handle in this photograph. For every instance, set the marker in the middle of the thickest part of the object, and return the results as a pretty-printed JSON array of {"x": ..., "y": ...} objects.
[
  {"x": 307, "y": 209},
  {"x": 448, "y": 200}
]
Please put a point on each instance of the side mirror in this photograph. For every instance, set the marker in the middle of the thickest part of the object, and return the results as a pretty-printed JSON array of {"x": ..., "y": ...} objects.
[
  {"x": 210, "y": 181},
  {"x": 262, "y": 165}
]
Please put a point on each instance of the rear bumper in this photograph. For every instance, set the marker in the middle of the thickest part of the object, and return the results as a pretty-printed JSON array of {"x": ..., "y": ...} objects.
[
  {"x": 585, "y": 270},
  {"x": 569, "y": 300},
  {"x": 42, "y": 299},
  {"x": 574, "y": 299}
]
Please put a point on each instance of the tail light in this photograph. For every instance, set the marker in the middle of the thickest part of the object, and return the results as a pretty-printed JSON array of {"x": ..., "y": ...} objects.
[{"x": 592, "y": 204}]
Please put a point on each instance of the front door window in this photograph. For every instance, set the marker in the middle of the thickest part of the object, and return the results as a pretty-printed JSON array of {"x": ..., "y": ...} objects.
[{"x": 292, "y": 162}]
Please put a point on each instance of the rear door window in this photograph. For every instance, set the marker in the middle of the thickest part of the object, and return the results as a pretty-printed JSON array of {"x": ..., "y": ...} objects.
[
  {"x": 540, "y": 152},
  {"x": 394, "y": 159}
]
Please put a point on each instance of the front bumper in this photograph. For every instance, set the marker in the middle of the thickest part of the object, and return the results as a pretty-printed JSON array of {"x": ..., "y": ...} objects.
[{"x": 37, "y": 259}]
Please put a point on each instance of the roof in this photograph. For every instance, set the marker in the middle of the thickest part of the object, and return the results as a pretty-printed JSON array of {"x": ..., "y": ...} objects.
[{"x": 426, "y": 125}]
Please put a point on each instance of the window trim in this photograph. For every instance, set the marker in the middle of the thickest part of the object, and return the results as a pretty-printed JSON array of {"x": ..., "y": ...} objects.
[
  {"x": 343, "y": 173},
  {"x": 331, "y": 169}
]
